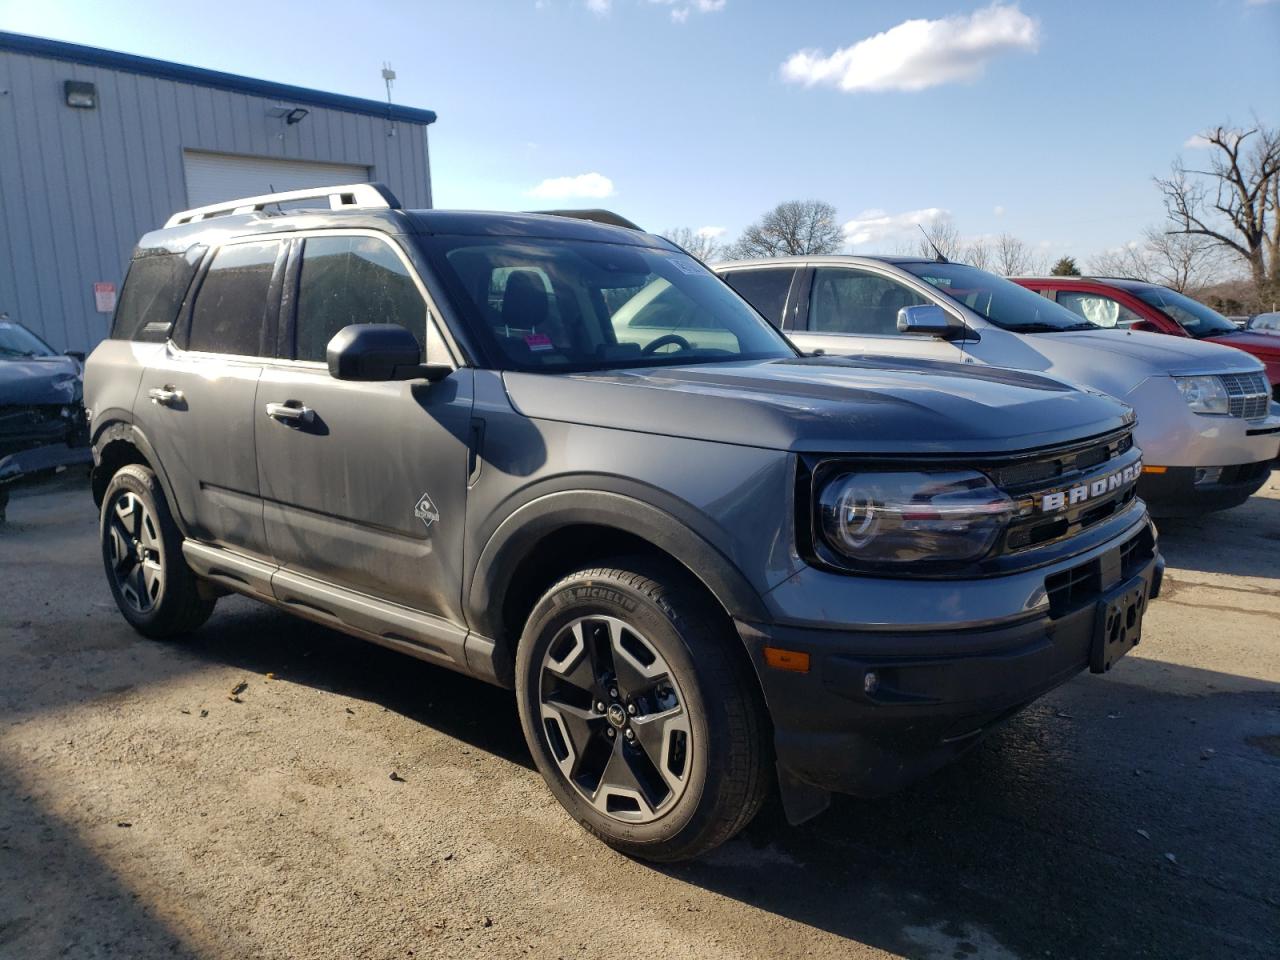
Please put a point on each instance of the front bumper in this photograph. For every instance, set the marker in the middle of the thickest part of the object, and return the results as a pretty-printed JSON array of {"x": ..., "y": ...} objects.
[
  {"x": 1176, "y": 492},
  {"x": 935, "y": 691}
]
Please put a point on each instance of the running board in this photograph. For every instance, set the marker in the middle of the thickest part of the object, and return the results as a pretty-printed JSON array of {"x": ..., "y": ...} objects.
[{"x": 410, "y": 631}]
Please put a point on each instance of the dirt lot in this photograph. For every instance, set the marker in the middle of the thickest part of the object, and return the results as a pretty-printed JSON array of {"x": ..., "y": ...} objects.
[{"x": 143, "y": 813}]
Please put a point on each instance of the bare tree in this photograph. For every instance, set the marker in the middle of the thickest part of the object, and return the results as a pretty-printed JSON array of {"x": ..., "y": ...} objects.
[
  {"x": 702, "y": 245},
  {"x": 1014, "y": 257},
  {"x": 1232, "y": 201},
  {"x": 794, "y": 227},
  {"x": 943, "y": 237},
  {"x": 1130, "y": 262},
  {"x": 978, "y": 253},
  {"x": 1182, "y": 261}
]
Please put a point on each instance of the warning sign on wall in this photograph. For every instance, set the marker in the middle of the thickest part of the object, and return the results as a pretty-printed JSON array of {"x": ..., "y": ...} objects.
[{"x": 104, "y": 297}]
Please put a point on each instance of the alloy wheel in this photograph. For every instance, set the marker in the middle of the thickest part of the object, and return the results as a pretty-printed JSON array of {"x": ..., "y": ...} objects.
[
  {"x": 133, "y": 539},
  {"x": 615, "y": 719}
]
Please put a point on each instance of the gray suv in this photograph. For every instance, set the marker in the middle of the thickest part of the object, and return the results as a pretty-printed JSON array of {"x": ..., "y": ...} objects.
[{"x": 565, "y": 458}]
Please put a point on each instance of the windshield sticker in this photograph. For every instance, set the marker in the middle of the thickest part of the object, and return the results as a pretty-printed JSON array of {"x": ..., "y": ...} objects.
[
  {"x": 688, "y": 267},
  {"x": 538, "y": 341}
]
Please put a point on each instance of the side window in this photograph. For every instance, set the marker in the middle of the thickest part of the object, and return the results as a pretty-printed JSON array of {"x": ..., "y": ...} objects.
[
  {"x": 346, "y": 280},
  {"x": 1097, "y": 309},
  {"x": 231, "y": 306},
  {"x": 852, "y": 301},
  {"x": 765, "y": 289},
  {"x": 152, "y": 294}
]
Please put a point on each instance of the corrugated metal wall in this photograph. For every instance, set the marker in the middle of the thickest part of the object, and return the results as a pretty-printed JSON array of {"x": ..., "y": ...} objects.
[{"x": 78, "y": 187}]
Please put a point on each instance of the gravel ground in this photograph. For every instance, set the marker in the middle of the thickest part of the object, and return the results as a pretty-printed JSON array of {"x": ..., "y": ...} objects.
[{"x": 145, "y": 812}]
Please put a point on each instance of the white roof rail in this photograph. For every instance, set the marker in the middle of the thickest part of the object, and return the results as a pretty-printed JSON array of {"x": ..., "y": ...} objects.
[{"x": 351, "y": 196}]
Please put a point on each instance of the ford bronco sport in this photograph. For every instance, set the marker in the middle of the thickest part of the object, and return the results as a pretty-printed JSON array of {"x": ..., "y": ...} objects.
[{"x": 564, "y": 457}]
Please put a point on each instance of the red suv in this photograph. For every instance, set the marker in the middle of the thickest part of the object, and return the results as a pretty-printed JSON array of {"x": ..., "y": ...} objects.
[{"x": 1133, "y": 304}]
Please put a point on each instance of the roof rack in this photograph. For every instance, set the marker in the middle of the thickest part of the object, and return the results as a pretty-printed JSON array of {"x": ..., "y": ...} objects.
[
  {"x": 351, "y": 196},
  {"x": 597, "y": 216}
]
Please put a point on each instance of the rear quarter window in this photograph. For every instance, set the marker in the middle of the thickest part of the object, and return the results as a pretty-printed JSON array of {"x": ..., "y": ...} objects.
[{"x": 153, "y": 292}]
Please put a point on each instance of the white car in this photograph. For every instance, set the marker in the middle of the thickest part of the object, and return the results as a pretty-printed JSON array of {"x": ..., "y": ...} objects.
[
  {"x": 1265, "y": 323},
  {"x": 1206, "y": 424}
]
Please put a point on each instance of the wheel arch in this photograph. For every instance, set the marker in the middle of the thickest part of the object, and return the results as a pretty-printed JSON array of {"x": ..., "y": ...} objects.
[
  {"x": 527, "y": 553},
  {"x": 119, "y": 443}
]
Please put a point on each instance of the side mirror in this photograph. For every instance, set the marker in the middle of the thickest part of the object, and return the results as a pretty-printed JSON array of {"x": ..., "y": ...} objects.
[
  {"x": 379, "y": 351},
  {"x": 930, "y": 320}
]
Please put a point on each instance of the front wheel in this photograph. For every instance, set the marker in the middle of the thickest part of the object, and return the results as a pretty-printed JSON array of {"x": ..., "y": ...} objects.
[
  {"x": 142, "y": 552},
  {"x": 641, "y": 715}
]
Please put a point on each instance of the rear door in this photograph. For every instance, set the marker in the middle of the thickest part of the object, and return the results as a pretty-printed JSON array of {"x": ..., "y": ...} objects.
[
  {"x": 767, "y": 289},
  {"x": 364, "y": 483},
  {"x": 195, "y": 403},
  {"x": 854, "y": 311}
]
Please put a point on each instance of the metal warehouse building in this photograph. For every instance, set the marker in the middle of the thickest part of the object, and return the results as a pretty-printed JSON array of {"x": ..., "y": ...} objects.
[{"x": 97, "y": 148}]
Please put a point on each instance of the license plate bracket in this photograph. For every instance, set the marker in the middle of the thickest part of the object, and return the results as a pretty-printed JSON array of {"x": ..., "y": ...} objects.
[{"x": 1117, "y": 624}]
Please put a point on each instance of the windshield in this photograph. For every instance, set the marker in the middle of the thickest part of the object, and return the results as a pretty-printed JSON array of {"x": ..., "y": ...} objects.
[
  {"x": 562, "y": 305},
  {"x": 1193, "y": 316},
  {"x": 1001, "y": 301},
  {"x": 17, "y": 341}
]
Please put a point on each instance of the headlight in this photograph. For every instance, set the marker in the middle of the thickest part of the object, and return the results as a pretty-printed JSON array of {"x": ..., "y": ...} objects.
[
  {"x": 874, "y": 518},
  {"x": 1203, "y": 394}
]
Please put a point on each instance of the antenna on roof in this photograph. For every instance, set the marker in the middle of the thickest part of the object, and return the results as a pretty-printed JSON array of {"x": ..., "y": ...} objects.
[
  {"x": 938, "y": 257},
  {"x": 389, "y": 77}
]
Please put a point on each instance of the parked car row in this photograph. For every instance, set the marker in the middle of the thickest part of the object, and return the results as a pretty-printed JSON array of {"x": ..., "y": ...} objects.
[
  {"x": 563, "y": 457},
  {"x": 1205, "y": 419}
]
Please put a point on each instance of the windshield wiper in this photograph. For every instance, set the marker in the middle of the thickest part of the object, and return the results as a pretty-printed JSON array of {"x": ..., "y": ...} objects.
[{"x": 1049, "y": 327}]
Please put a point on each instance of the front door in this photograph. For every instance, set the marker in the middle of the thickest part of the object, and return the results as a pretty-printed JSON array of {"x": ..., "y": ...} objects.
[
  {"x": 196, "y": 402},
  {"x": 364, "y": 484},
  {"x": 853, "y": 311}
]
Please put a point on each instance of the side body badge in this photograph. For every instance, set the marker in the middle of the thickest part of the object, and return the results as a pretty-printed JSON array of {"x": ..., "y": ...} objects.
[{"x": 426, "y": 511}]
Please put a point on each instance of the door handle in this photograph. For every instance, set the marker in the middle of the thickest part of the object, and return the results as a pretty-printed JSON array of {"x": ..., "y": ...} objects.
[
  {"x": 166, "y": 396},
  {"x": 290, "y": 412}
]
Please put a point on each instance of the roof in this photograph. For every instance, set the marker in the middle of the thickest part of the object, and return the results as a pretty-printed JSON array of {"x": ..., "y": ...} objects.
[
  {"x": 1126, "y": 283},
  {"x": 396, "y": 221},
  {"x": 833, "y": 258},
  {"x": 181, "y": 73}
]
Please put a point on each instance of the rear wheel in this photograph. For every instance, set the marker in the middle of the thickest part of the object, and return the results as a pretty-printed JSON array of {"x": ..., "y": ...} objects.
[
  {"x": 657, "y": 757},
  {"x": 142, "y": 552}
]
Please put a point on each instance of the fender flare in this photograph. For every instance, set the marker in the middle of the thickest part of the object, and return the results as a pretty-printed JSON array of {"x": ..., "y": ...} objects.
[
  {"x": 128, "y": 432},
  {"x": 518, "y": 533}
]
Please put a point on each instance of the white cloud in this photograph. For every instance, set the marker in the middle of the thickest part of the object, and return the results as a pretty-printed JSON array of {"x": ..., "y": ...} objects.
[
  {"x": 593, "y": 185},
  {"x": 917, "y": 54},
  {"x": 680, "y": 9},
  {"x": 878, "y": 227},
  {"x": 710, "y": 233},
  {"x": 599, "y": 7},
  {"x": 998, "y": 211}
]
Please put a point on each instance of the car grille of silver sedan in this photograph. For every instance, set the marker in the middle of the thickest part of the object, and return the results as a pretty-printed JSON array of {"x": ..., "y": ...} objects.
[{"x": 1247, "y": 395}]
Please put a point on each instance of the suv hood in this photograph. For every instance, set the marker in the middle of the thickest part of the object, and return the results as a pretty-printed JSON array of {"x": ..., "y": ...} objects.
[
  {"x": 828, "y": 404},
  {"x": 1259, "y": 344},
  {"x": 34, "y": 381},
  {"x": 1117, "y": 361}
]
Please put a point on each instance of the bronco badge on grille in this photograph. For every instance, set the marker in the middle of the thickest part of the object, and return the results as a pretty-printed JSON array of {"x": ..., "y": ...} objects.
[{"x": 1090, "y": 489}]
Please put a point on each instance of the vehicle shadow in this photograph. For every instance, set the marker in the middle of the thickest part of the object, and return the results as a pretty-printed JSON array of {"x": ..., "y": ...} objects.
[
  {"x": 1081, "y": 828},
  {"x": 1243, "y": 541}
]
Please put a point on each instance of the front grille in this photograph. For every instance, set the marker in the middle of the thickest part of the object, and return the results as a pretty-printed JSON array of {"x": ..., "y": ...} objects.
[
  {"x": 1247, "y": 394},
  {"x": 1072, "y": 589},
  {"x": 1028, "y": 483}
]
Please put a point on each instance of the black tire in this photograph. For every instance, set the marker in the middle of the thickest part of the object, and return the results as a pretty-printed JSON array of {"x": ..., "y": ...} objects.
[
  {"x": 173, "y": 606},
  {"x": 727, "y": 749}
]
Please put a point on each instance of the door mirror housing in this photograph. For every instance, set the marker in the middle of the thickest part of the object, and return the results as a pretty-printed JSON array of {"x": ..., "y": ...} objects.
[
  {"x": 930, "y": 320},
  {"x": 379, "y": 352}
]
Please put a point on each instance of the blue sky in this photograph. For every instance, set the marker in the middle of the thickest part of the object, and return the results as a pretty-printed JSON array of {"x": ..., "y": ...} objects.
[{"x": 1043, "y": 119}]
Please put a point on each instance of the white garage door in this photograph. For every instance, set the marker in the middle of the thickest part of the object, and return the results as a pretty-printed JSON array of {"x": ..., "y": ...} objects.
[{"x": 216, "y": 177}]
